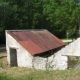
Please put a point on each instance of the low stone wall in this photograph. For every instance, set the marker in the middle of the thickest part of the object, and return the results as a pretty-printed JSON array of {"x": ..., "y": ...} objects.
[
  {"x": 39, "y": 63},
  {"x": 54, "y": 62}
]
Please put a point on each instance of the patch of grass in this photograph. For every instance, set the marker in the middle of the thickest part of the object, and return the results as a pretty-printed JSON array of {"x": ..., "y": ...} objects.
[
  {"x": 0, "y": 64},
  {"x": 3, "y": 77},
  {"x": 16, "y": 73}
]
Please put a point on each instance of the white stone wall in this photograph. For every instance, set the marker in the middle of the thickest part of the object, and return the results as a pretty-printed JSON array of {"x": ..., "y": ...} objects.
[
  {"x": 54, "y": 62},
  {"x": 39, "y": 63},
  {"x": 24, "y": 59},
  {"x": 58, "y": 61},
  {"x": 73, "y": 49}
]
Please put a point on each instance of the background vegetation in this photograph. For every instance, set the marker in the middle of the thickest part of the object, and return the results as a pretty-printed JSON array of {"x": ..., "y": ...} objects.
[{"x": 58, "y": 16}]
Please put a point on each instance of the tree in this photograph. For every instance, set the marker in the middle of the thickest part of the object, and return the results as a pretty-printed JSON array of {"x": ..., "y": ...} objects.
[
  {"x": 26, "y": 13},
  {"x": 4, "y": 13},
  {"x": 63, "y": 16}
]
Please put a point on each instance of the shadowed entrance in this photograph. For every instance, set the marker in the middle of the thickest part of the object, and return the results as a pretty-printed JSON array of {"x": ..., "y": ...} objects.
[{"x": 13, "y": 57}]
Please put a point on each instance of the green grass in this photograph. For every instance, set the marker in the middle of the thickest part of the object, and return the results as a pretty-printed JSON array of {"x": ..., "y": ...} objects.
[
  {"x": 0, "y": 64},
  {"x": 16, "y": 73},
  {"x": 66, "y": 39}
]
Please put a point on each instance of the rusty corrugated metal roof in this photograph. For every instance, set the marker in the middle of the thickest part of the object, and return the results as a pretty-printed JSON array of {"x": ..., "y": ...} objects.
[{"x": 36, "y": 41}]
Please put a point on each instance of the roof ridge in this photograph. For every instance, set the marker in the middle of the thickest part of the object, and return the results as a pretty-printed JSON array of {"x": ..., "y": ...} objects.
[{"x": 27, "y": 30}]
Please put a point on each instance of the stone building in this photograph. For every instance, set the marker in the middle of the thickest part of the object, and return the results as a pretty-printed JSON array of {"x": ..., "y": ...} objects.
[{"x": 34, "y": 49}]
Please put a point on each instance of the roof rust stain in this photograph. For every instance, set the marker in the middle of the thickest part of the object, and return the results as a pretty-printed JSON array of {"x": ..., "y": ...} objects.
[{"x": 36, "y": 41}]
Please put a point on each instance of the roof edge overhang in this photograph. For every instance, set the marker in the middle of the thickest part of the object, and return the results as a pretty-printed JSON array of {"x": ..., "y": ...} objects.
[{"x": 48, "y": 50}]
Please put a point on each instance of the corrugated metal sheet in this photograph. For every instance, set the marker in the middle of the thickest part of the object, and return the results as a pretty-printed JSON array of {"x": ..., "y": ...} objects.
[{"x": 36, "y": 41}]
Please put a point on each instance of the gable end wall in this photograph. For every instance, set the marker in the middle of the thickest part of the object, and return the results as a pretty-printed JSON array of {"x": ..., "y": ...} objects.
[{"x": 24, "y": 58}]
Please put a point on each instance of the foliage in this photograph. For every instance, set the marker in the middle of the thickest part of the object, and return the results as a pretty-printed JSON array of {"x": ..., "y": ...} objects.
[
  {"x": 58, "y": 16},
  {"x": 64, "y": 15}
]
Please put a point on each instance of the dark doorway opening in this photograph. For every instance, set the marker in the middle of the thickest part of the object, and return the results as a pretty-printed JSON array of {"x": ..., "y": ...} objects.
[{"x": 13, "y": 57}]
